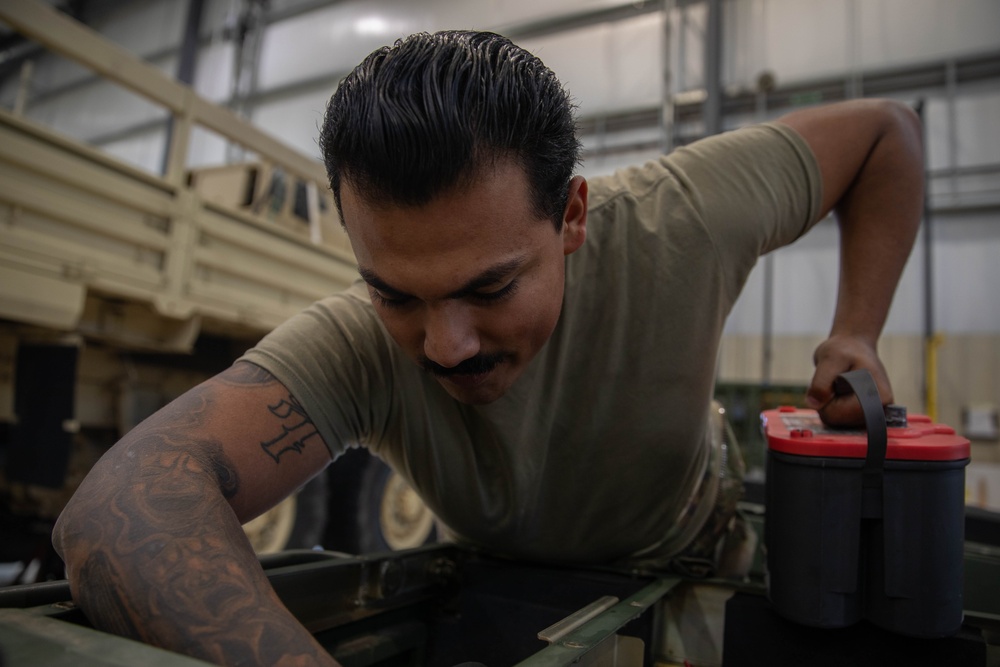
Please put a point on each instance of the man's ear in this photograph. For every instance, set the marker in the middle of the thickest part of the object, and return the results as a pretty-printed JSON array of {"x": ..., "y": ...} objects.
[{"x": 575, "y": 216}]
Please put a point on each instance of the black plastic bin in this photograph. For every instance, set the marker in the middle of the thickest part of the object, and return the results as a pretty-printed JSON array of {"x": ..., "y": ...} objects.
[{"x": 865, "y": 525}]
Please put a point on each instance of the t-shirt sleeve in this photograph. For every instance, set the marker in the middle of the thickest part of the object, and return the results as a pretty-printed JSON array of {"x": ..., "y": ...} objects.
[
  {"x": 756, "y": 189},
  {"x": 334, "y": 359}
]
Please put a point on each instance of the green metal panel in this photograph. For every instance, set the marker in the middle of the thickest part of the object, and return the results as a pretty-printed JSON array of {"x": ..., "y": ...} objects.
[
  {"x": 30, "y": 639},
  {"x": 574, "y": 646}
]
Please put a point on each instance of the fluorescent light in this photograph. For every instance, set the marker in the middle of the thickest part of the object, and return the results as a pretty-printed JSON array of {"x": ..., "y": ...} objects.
[{"x": 371, "y": 25}]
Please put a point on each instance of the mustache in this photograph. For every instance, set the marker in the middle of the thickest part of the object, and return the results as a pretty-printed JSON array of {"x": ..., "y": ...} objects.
[{"x": 481, "y": 363}]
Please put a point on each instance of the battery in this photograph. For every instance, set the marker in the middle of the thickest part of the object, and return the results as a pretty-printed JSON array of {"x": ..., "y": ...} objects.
[{"x": 857, "y": 532}]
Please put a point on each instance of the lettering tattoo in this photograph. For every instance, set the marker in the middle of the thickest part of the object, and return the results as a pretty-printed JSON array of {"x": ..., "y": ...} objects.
[{"x": 296, "y": 429}]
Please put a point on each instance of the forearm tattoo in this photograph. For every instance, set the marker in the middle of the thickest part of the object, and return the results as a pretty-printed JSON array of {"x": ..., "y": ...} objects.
[{"x": 159, "y": 554}]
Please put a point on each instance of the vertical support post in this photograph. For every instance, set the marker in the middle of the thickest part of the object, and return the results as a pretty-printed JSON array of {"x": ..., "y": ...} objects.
[
  {"x": 186, "y": 66},
  {"x": 951, "y": 92},
  {"x": 312, "y": 205},
  {"x": 188, "y": 62},
  {"x": 854, "y": 87},
  {"x": 175, "y": 160},
  {"x": 712, "y": 109},
  {"x": 931, "y": 339},
  {"x": 767, "y": 343},
  {"x": 667, "y": 109},
  {"x": 246, "y": 65}
]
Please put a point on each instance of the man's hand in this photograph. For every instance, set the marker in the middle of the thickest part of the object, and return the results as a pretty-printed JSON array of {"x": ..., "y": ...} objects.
[{"x": 836, "y": 355}]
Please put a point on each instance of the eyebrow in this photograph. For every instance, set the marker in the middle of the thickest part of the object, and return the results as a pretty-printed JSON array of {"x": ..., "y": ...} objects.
[{"x": 490, "y": 276}]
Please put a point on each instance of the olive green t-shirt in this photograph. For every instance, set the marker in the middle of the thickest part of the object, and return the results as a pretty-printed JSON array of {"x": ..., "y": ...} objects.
[{"x": 591, "y": 456}]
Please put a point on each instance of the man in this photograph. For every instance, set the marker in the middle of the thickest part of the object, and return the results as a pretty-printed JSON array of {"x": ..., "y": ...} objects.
[{"x": 535, "y": 354}]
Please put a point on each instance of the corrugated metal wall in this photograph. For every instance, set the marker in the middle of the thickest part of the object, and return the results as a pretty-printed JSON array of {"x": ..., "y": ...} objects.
[{"x": 612, "y": 55}]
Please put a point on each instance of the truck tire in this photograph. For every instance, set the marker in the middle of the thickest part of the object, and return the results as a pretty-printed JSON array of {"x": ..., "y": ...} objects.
[
  {"x": 373, "y": 509},
  {"x": 297, "y": 522}
]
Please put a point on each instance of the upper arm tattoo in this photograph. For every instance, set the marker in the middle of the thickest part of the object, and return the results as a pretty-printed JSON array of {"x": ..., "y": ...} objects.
[{"x": 294, "y": 430}]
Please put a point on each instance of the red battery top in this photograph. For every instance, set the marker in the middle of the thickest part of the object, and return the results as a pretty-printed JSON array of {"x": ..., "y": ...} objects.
[{"x": 797, "y": 431}]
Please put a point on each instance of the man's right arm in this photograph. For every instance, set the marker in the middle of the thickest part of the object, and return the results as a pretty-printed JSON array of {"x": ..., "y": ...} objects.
[{"x": 152, "y": 539}]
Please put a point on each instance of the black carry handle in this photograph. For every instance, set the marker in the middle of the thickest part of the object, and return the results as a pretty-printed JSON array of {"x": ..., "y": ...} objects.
[{"x": 861, "y": 383}]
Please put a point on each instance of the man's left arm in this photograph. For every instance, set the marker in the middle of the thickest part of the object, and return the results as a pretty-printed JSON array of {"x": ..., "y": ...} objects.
[{"x": 871, "y": 162}]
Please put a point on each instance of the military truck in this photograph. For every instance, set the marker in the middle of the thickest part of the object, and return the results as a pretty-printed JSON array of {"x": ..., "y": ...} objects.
[{"x": 120, "y": 289}]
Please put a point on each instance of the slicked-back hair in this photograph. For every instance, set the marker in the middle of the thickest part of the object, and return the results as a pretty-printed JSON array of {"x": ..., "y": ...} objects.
[{"x": 434, "y": 111}]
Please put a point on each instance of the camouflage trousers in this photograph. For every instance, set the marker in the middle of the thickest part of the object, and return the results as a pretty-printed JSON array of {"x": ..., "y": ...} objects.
[{"x": 701, "y": 557}]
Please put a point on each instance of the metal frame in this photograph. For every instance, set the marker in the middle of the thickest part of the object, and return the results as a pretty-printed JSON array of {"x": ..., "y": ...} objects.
[
  {"x": 331, "y": 594},
  {"x": 367, "y": 608}
]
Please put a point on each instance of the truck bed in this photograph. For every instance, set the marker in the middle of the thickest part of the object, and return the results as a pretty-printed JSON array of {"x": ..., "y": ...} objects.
[{"x": 81, "y": 229}]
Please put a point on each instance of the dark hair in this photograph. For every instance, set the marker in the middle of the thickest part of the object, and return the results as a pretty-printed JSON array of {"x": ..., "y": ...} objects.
[{"x": 427, "y": 114}]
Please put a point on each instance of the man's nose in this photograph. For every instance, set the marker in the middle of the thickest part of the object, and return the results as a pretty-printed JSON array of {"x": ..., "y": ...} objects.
[{"x": 450, "y": 335}]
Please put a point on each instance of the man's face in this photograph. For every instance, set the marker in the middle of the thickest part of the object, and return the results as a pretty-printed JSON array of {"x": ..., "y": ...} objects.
[{"x": 471, "y": 284}]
